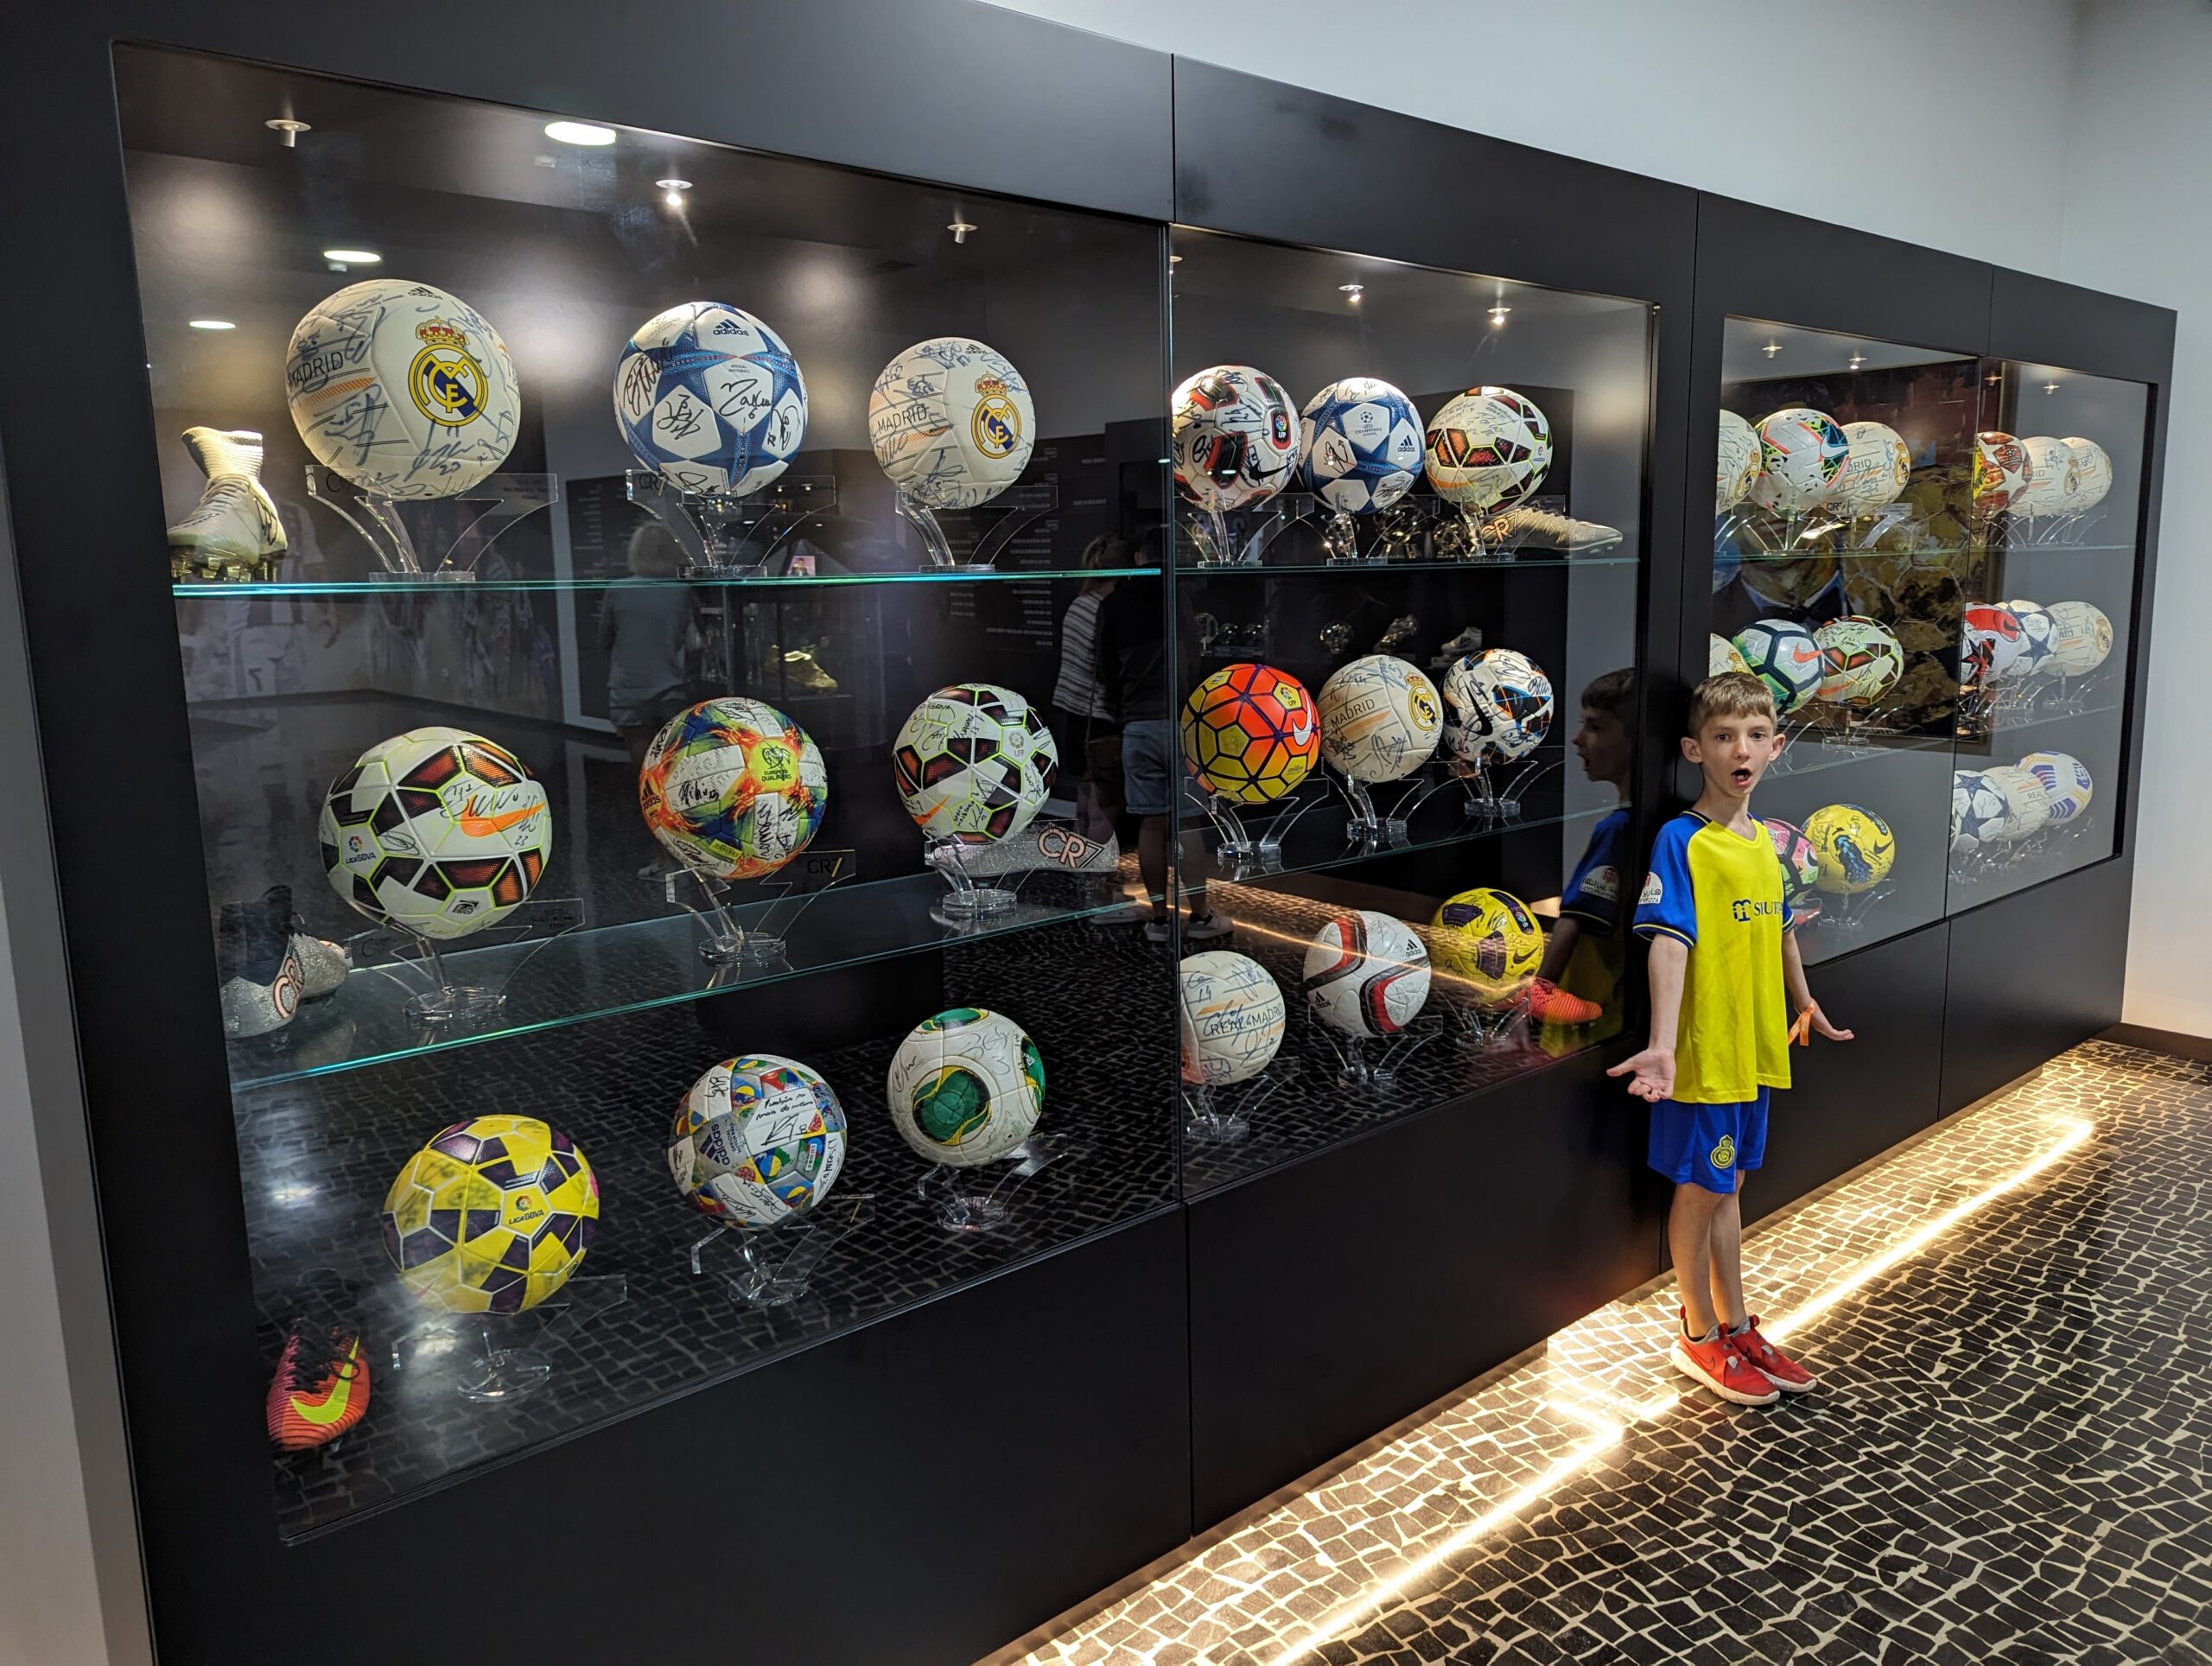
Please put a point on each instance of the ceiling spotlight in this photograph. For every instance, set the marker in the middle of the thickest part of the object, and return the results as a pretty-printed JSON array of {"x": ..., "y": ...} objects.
[
  {"x": 1857, "y": 359},
  {"x": 1497, "y": 313},
  {"x": 672, "y": 191},
  {"x": 1174, "y": 260},
  {"x": 288, "y": 131},
  {"x": 2050, "y": 387},
  {"x": 1354, "y": 290},
  {"x": 213, "y": 324},
  {"x": 960, "y": 228},
  {"x": 1771, "y": 348},
  {"x": 580, "y": 133},
  {"x": 352, "y": 256}
]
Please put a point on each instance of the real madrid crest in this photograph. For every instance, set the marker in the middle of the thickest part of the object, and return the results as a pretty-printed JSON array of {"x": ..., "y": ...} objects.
[
  {"x": 996, "y": 423},
  {"x": 446, "y": 381}
]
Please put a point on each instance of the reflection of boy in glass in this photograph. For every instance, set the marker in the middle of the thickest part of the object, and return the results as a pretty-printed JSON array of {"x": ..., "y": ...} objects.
[
  {"x": 648, "y": 631},
  {"x": 1576, "y": 999}
]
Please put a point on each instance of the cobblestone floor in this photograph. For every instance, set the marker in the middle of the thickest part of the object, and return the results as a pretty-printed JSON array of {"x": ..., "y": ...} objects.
[{"x": 2006, "y": 1460}]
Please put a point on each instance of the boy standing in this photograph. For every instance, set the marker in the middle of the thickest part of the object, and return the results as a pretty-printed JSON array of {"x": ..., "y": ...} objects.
[{"x": 1725, "y": 974}]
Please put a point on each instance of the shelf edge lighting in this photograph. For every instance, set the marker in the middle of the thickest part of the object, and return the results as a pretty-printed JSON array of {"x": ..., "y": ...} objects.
[{"x": 353, "y": 257}]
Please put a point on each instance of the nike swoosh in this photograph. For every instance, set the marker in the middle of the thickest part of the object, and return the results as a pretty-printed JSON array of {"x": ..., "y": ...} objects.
[
  {"x": 479, "y": 826},
  {"x": 335, "y": 1403}
]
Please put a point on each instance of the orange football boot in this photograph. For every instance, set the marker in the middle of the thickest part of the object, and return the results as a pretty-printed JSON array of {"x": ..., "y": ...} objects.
[{"x": 321, "y": 1388}]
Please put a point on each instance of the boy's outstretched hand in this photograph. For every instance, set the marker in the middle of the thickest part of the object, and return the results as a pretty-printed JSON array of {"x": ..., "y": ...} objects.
[
  {"x": 1654, "y": 1073},
  {"x": 1811, "y": 1021}
]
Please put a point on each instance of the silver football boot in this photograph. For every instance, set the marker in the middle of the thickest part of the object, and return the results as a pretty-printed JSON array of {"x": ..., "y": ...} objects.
[
  {"x": 1523, "y": 527},
  {"x": 234, "y": 532}
]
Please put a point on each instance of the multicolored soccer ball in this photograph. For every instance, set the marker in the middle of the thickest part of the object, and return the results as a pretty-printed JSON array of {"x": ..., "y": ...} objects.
[
  {"x": 1232, "y": 1017},
  {"x": 2081, "y": 638},
  {"x": 950, "y": 421},
  {"x": 2001, "y": 472},
  {"x": 1876, "y": 472},
  {"x": 1990, "y": 647},
  {"x": 1801, "y": 863},
  {"x": 1488, "y": 449},
  {"x": 2052, "y": 483},
  {"x": 2066, "y": 782},
  {"x": 710, "y": 399},
  {"x": 1860, "y": 659},
  {"x": 2027, "y": 802},
  {"x": 1234, "y": 437},
  {"x": 402, "y": 389},
  {"x": 1738, "y": 464},
  {"x": 1251, "y": 733},
  {"x": 1977, "y": 810},
  {"x": 1380, "y": 718},
  {"x": 966, "y": 1087},
  {"x": 1498, "y": 706},
  {"x": 2038, "y": 638},
  {"x": 1366, "y": 974},
  {"x": 1722, "y": 655},
  {"x": 1488, "y": 939},
  {"x": 492, "y": 1216},
  {"x": 1801, "y": 454},
  {"x": 758, "y": 1139},
  {"x": 2092, "y": 472},
  {"x": 975, "y": 762},
  {"x": 1782, "y": 654},
  {"x": 437, "y": 831},
  {"x": 733, "y": 788},
  {"x": 1855, "y": 847},
  {"x": 1360, "y": 446}
]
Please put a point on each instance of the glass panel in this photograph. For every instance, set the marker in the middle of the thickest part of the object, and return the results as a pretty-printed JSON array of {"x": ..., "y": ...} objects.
[
  {"x": 1407, "y": 582},
  {"x": 1844, "y": 548},
  {"x": 2042, "y": 725},
  {"x": 503, "y": 504}
]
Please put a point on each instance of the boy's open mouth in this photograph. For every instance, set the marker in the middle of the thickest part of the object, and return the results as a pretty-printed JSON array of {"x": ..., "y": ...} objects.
[{"x": 1742, "y": 777}]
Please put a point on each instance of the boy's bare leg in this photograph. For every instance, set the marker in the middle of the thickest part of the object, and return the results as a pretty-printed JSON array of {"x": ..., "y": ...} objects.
[
  {"x": 1690, "y": 1235},
  {"x": 1728, "y": 1257}
]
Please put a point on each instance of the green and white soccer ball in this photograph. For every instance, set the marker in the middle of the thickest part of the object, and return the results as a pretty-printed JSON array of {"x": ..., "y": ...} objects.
[
  {"x": 437, "y": 831},
  {"x": 974, "y": 762},
  {"x": 1722, "y": 655},
  {"x": 758, "y": 1140},
  {"x": 951, "y": 423},
  {"x": 966, "y": 1087}
]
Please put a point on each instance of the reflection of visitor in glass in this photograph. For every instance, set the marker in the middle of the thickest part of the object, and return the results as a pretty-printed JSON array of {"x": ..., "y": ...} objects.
[
  {"x": 648, "y": 631},
  {"x": 1086, "y": 721},
  {"x": 1726, "y": 976},
  {"x": 1576, "y": 999}
]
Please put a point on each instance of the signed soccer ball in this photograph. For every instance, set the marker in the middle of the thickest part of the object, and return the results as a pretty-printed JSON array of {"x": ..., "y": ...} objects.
[
  {"x": 403, "y": 390},
  {"x": 1251, "y": 733},
  {"x": 1801, "y": 863},
  {"x": 2001, "y": 472},
  {"x": 1876, "y": 470},
  {"x": 2052, "y": 483},
  {"x": 2081, "y": 638},
  {"x": 1782, "y": 655},
  {"x": 1860, "y": 659},
  {"x": 1738, "y": 462},
  {"x": 1990, "y": 647},
  {"x": 975, "y": 762},
  {"x": 1488, "y": 449},
  {"x": 966, "y": 1087},
  {"x": 437, "y": 831},
  {"x": 492, "y": 1216},
  {"x": 1232, "y": 1018},
  {"x": 1488, "y": 939},
  {"x": 2039, "y": 637},
  {"x": 2027, "y": 802},
  {"x": 1380, "y": 719},
  {"x": 733, "y": 788},
  {"x": 1855, "y": 847},
  {"x": 709, "y": 398},
  {"x": 758, "y": 1140},
  {"x": 2092, "y": 472},
  {"x": 1234, "y": 437},
  {"x": 1722, "y": 655},
  {"x": 1498, "y": 706},
  {"x": 1366, "y": 974},
  {"x": 1801, "y": 454},
  {"x": 2066, "y": 782},
  {"x": 1360, "y": 447},
  {"x": 951, "y": 424},
  {"x": 1977, "y": 810}
]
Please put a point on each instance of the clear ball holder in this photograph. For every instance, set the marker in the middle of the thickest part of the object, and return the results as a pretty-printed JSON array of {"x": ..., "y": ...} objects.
[
  {"x": 2040, "y": 531},
  {"x": 1477, "y": 1028},
  {"x": 506, "y": 498},
  {"x": 445, "y": 985},
  {"x": 1761, "y": 532},
  {"x": 1245, "y": 853},
  {"x": 1365, "y": 827},
  {"x": 493, "y": 1358},
  {"x": 1013, "y": 513},
  {"x": 776, "y": 1261},
  {"x": 966, "y": 900},
  {"x": 1846, "y": 914},
  {"x": 1223, "y": 1114},
  {"x": 785, "y": 896},
  {"x": 1369, "y": 1064},
  {"x": 725, "y": 536},
  {"x": 981, "y": 1197}
]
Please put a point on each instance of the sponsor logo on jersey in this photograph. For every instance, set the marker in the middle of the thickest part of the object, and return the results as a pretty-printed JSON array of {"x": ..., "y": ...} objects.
[
  {"x": 1748, "y": 908},
  {"x": 1653, "y": 890}
]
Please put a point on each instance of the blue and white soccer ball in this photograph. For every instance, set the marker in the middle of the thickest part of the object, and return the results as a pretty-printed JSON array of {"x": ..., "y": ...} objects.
[
  {"x": 710, "y": 399},
  {"x": 2038, "y": 639},
  {"x": 1977, "y": 810},
  {"x": 2066, "y": 779},
  {"x": 1782, "y": 655},
  {"x": 1498, "y": 706},
  {"x": 1362, "y": 448}
]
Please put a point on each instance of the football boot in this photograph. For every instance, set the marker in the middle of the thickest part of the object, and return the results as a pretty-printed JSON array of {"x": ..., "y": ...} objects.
[
  {"x": 1547, "y": 1003},
  {"x": 261, "y": 977},
  {"x": 1046, "y": 845},
  {"x": 1546, "y": 530},
  {"x": 321, "y": 1386},
  {"x": 234, "y": 532},
  {"x": 802, "y": 671}
]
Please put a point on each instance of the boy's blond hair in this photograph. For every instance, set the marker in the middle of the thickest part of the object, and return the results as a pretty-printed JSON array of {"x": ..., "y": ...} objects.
[{"x": 1732, "y": 693}]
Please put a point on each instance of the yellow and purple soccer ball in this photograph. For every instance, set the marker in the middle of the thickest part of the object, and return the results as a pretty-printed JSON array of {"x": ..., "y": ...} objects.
[
  {"x": 1855, "y": 847},
  {"x": 492, "y": 1216}
]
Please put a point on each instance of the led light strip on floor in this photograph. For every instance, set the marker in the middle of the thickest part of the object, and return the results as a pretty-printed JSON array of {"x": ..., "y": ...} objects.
[{"x": 1324, "y": 1562}]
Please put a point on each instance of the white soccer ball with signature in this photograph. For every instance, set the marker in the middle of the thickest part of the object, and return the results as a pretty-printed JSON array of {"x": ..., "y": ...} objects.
[
  {"x": 950, "y": 421},
  {"x": 710, "y": 399},
  {"x": 1232, "y": 1017},
  {"x": 1380, "y": 719}
]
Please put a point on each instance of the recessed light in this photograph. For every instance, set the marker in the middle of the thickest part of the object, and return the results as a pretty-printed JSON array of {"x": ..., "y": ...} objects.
[
  {"x": 960, "y": 228},
  {"x": 2050, "y": 387},
  {"x": 213, "y": 324},
  {"x": 1771, "y": 348},
  {"x": 1174, "y": 260},
  {"x": 1497, "y": 313},
  {"x": 1351, "y": 291},
  {"x": 352, "y": 256},
  {"x": 580, "y": 133},
  {"x": 288, "y": 131},
  {"x": 672, "y": 191},
  {"x": 1857, "y": 359}
]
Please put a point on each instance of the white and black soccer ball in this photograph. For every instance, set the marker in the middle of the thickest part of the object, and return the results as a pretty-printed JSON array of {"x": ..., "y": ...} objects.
[
  {"x": 402, "y": 389},
  {"x": 1488, "y": 449},
  {"x": 2038, "y": 638},
  {"x": 1782, "y": 654},
  {"x": 437, "y": 831},
  {"x": 951, "y": 423},
  {"x": 1366, "y": 974},
  {"x": 975, "y": 762},
  {"x": 1498, "y": 706},
  {"x": 1380, "y": 718},
  {"x": 1738, "y": 462},
  {"x": 1361, "y": 447},
  {"x": 1801, "y": 454},
  {"x": 1234, "y": 435},
  {"x": 1978, "y": 810},
  {"x": 2066, "y": 780},
  {"x": 710, "y": 399}
]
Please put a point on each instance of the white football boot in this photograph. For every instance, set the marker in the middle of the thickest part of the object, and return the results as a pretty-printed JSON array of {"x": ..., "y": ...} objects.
[
  {"x": 234, "y": 532},
  {"x": 1546, "y": 530}
]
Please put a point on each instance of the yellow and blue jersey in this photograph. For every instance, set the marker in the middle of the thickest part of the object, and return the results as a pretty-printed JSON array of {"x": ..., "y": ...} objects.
[
  {"x": 1720, "y": 892},
  {"x": 1595, "y": 899}
]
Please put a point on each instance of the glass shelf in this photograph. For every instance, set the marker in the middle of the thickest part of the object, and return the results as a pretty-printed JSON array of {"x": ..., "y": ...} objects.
[
  {"x": 1810, "y": 755},
  {"x": 2041, "y": 719},
  {"x": 734, "y": 582},
  {"x": 1549, "y": 559},
  {"x": 597, "y": 972}
]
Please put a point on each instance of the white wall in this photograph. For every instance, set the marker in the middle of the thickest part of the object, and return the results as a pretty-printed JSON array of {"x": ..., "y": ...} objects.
[{"x": 2138, "y": 220}]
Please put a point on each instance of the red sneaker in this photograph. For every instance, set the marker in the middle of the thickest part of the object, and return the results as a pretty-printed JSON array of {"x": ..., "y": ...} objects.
[
  {"x": 1549, "y": 1004},
  {"x": 1721, "y": 1367},
  {"x": 1769, "y": 1361},
  {"x": 321, "y": 1388}
]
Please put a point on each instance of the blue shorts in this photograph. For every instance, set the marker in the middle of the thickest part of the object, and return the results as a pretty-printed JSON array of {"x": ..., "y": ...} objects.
[
  {"x": 1711, "y": 1146},
  {"x": 1152, "y": 767}
]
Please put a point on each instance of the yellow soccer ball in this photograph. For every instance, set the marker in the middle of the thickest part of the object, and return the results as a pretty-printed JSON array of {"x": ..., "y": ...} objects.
[
  {"x": 492, "y": 1216},
  {"x": 1489, "y": 938},
  {"x": 1855, "y": 847}
]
